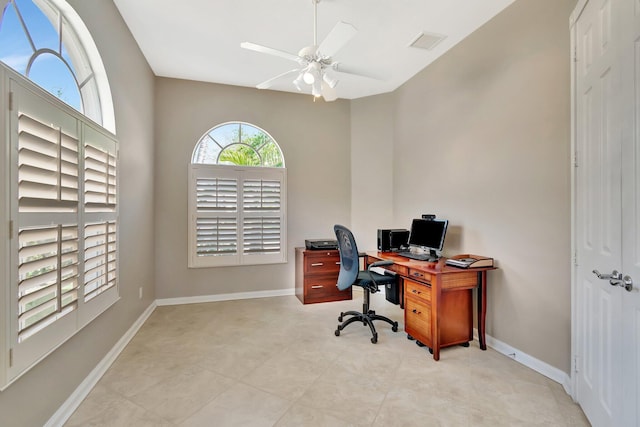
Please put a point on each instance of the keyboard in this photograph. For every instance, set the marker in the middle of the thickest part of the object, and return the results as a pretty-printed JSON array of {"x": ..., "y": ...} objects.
[{"x": 417, "y": 257}]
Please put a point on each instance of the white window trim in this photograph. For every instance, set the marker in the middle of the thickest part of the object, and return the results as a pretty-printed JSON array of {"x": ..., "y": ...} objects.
[
  {"x": 239, "y": 173},
  {"x": 4, "y": 232}
]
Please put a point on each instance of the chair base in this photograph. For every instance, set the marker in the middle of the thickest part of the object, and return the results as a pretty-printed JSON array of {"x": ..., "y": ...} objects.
[{"x": 366, "y": 318}]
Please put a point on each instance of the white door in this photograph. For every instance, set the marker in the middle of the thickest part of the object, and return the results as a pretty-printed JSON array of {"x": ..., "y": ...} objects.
[{"x": 607, "y": 225}]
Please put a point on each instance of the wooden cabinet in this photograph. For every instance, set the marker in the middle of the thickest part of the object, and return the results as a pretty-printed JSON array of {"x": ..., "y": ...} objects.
[{"x": 317, "y": 275}]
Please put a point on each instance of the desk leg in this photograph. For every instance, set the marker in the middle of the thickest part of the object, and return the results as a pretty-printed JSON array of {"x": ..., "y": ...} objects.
[{"x": 482, "y": 307}]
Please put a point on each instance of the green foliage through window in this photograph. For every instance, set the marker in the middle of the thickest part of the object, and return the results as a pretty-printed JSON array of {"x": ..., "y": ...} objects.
[{"x": 239, "y": 144}]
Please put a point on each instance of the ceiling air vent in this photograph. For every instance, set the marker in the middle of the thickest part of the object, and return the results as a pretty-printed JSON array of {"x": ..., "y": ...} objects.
[{"x": 427, "y": 40}]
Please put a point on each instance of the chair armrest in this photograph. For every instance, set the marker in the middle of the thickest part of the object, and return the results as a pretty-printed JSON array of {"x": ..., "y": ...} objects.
[
  {"x": 377, "y": 264},
  {"x": 380, "y": 264}
]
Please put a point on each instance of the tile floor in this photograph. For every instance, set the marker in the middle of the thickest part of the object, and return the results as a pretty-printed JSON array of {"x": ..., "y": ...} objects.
[{"x": 275, "y": 362}]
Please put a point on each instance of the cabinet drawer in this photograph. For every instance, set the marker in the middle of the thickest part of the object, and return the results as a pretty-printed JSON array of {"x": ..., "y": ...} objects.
[
  {"x": 419, "y": 275},
  {"x": 417, "y": 320},
  {"x": 418, "y": 290},
  {"x": 320, "y": 290},
  {"x": 324, "y": 262}
]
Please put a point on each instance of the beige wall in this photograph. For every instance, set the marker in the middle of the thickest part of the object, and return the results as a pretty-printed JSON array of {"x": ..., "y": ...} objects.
[
  {"x": 314, "y": 138},
  {"x": 372, "y": 168},
  {"x": 34, "y": 398},
  {"x": 486, "y": 132}
]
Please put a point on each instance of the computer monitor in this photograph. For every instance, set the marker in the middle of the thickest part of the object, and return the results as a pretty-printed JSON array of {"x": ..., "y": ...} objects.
[{"x": 428, "y": 234}]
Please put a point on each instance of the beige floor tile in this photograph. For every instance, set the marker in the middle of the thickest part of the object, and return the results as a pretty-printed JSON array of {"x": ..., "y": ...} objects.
[
  {"x": 105, "y": 408},
  {"x": 285, "y": 375},
  {"x": 277, "y": 362},
  {"x": 299, "y": 415},
  {"x": 350, "y": 397},
  {"x": 178, "y": 397},
  {"x": 241, "y": 405}
]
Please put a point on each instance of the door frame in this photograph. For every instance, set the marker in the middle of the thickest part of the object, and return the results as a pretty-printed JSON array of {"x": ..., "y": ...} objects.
[{"x": 573, "y": 19}]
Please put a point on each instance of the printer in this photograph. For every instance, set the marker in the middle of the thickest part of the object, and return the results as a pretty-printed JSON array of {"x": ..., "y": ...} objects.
[{"x": 320, "y": 244}]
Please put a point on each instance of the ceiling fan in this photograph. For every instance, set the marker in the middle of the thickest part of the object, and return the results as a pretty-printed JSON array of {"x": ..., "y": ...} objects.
[{"x": 316, "y": 66}]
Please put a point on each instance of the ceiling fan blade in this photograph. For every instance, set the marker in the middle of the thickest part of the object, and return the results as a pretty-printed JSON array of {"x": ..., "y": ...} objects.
[
  {"x": 328, "y": 93},
  {"x": 355, "y": 72},
  {"x": 270, "y": 51},
  {"x": 341, "y": 33},
  {"x": 267, "y": 83}
]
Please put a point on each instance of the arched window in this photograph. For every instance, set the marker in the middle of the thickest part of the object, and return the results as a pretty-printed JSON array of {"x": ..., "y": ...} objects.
[
  {"x": 237, "y": 198},
  {"x": 47, "y": 42},
  {"x": 239, "y": 144}
]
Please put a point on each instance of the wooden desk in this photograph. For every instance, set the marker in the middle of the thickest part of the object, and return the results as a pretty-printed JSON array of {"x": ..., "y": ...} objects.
[{"x": 437, "y": 300}]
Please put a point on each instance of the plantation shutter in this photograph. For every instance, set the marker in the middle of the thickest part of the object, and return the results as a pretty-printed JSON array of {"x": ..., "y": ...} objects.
[
  {"x": 47, "y": 175},
  {"x": 214, "y": 217},
  {"x": 99, "y": 231},
  {"x": 99, "y": 179},
  {"x": 261, "y": 228},
  {"x": 47, "y": 167},
  {"x": 47, "y": 276},
  {"x": 99, "y": 258},
  {"x": 63, "y": 229},
  {"x": 236, "y": 215},
  {"x": 217, "y": 232}
]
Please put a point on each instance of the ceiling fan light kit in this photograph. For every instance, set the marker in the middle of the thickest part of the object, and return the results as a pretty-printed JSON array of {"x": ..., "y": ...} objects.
[{"x": 315, "y": 61}]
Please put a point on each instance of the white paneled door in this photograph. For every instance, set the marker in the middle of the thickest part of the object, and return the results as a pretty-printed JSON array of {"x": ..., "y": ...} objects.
[{"x": 607, "y": 210}]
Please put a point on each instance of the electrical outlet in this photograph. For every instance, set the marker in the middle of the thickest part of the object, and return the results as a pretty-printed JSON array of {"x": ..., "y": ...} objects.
[{"x": 140, "y": 292}]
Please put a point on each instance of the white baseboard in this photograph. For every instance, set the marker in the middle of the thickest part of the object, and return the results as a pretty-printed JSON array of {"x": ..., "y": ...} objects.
[
  {"x": 71, "y": 404},
  {"x": 225, "y": 297},
  {"x": 537, "y": 365}
]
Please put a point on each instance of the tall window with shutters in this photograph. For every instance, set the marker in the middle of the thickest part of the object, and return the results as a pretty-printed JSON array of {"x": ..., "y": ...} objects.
[
  {"x": 58, "y": 257},
  {"x": 64, "y": 219},
  {"x": 237, "y": 198}
]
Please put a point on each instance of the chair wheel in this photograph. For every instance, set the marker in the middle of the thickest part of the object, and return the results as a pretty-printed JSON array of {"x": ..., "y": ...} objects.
[
  {"x": 419, "y": 344},
  {"x": 374, "y": 339},
  {"x": 394, "y": 328},
  {"x": 337, "y": 332},
  {"x": 410, "y": 338},
  {"x": 340, "y": 318},
  {"x": 430, "y": 350},
  {"x": 465, "y": 344}
]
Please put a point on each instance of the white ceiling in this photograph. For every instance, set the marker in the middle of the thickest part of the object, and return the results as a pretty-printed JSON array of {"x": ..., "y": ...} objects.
[{"x": 200, "y": 39}]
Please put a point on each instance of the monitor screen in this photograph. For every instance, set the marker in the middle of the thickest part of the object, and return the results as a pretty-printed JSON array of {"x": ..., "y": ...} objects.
[{"x": 428, "y": 233}]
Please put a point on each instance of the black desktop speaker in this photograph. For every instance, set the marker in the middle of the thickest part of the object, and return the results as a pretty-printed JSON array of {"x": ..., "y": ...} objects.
[{"x": 392, "y": 240}]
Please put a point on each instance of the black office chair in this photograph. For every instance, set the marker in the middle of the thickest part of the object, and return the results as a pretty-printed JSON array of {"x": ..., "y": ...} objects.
[{"x": 367, "y": 280}]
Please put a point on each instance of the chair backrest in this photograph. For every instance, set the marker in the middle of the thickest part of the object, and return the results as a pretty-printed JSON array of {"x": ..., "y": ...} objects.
[{"x": 349, "y": 262}]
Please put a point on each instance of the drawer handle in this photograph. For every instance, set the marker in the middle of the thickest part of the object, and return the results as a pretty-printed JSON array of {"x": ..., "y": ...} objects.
[
  {"x": 415, "y": 291},
  {"x": 337, "y": 262},
  {"x": 317, "y": 286},
  {"x": 416, "y": 311},
  {"x": 317, "y": 264},
  {"x": 418, "y": 275}
]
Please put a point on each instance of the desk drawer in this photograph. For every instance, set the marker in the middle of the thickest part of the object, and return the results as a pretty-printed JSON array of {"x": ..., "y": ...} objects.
[
  {"x": 417, "y": 320},
  {"x": 400, "y": 269},
  {"x": 323, "y": 262},
  {"x": 419, "y": 275},
  {"x": 418, "y": 290}
]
